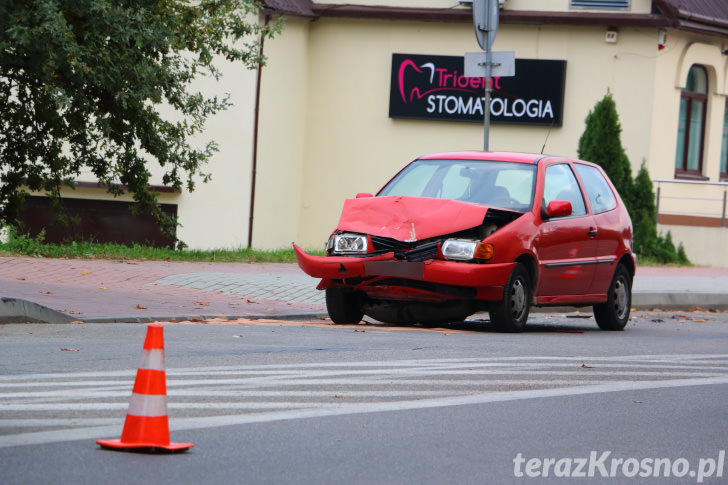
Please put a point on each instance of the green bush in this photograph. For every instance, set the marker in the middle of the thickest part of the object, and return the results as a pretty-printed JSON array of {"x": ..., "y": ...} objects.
[{"x": 600, "y": 143}]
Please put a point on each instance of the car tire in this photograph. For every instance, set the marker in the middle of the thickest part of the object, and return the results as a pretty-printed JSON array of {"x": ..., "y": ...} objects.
[
  {"x": 511, "y": 312},
  {"x": 343, "y": 306},
  {"x": 614, "y": 314}
]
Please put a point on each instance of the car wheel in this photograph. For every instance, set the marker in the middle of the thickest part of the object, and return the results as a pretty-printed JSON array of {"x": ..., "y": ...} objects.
[
  {"x": 511, "y": 313},
  {"x": 343, "y": 305},
  {"x": 614, "y": 314}
]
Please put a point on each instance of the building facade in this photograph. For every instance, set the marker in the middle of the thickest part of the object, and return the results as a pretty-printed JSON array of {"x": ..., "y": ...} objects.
[{"x": 352, "y": 92}]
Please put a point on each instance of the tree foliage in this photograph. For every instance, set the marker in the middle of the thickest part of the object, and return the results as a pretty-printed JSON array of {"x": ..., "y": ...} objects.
[
  {"x": 600, "y": 143},
  {"x": 84, "y": 83}
]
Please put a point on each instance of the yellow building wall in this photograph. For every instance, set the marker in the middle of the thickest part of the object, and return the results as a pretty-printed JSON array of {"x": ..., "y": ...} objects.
[
  {"x": 351, "y": 144},
  {"x": 325, "y": 133},
  {"x": 215, "y": 214},
  {"x": 283, "y": 137}
]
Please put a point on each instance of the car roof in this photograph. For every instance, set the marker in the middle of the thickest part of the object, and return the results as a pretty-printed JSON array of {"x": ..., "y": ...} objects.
[{"x": 486, "y": 155}]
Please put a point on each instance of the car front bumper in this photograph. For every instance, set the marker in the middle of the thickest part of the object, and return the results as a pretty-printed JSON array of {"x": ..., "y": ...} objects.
[{"x": 486, "y": 279}]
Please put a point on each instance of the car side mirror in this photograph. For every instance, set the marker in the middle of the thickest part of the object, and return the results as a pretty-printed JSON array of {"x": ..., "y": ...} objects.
[
  {"x": 362, "y": 195},
  {"x": 558, "y": 208}
]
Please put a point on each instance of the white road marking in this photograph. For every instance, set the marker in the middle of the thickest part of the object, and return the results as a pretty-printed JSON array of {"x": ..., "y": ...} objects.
[{"x": 236, "y": 395}]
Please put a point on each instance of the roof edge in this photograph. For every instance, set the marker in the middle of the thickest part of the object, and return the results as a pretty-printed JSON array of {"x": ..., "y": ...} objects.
[{"x": 667, "y": 16}]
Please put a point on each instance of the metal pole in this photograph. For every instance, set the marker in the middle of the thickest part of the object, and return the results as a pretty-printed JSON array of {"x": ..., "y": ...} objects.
[
  {"x": 486, "y": 108},
  {"x": 722, "y": 222},
  {"x": 657, "y": 204}
]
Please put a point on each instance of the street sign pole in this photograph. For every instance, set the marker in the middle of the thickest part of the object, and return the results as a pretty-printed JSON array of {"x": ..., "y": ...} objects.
[
  {"x": 486, "y": 108},
  {"x": 485, "y": 20}
]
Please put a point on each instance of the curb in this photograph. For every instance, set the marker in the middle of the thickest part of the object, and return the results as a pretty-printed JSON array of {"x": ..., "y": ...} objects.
[
  {"x": 680, "y": 301},
  {"x": 200, "y": 318},
  {"x": 16, "y": 310}
]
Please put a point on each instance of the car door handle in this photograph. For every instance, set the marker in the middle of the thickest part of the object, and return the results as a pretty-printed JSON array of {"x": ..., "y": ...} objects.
[{"x": 593, "y": 231}]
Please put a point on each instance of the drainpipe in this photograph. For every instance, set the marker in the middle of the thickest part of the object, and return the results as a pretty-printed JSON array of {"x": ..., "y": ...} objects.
[{"x": 254, "y": 168}]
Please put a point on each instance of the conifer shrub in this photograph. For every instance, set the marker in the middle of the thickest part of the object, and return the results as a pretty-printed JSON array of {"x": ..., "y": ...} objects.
[{"x": 601, "y": 144}]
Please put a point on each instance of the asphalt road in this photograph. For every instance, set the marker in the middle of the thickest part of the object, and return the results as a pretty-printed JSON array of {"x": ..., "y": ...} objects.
[{"x": 309, "y": 402}]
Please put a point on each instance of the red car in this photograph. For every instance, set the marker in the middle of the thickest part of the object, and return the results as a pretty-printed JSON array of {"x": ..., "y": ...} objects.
[{"x": 453, "y": 234}]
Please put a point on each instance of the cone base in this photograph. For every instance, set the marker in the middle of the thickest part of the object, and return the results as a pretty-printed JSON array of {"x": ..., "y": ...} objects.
[{"x": 144, "y": 447}]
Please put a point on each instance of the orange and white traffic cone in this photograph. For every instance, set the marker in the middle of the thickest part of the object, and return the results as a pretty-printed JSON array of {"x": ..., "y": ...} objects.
[{"x": 147, "y": 427}]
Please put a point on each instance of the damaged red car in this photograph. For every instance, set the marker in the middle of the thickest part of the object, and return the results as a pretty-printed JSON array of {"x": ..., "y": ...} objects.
[{"x": 453, "y": 234}]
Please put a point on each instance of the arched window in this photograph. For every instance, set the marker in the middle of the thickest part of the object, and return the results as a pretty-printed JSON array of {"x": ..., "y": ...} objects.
[{"x": 691, "y": 124}]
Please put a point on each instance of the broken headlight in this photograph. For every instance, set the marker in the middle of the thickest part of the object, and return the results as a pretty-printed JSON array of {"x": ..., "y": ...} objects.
[
  {"x": 347, "y": 244},
  {"x": 466, "y": 250}
]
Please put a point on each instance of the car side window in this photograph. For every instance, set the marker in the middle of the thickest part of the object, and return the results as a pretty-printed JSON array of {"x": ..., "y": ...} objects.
[
  {"x": 560, "y": 184},
  {"x": 600, "y": 195}
]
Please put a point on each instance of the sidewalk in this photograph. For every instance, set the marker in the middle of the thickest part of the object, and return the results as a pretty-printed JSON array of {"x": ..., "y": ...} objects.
[{"x": 66, "y": 290}]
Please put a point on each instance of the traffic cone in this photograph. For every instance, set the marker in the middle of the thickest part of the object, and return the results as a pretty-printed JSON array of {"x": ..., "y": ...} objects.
[{"x": 146, "y": 428}]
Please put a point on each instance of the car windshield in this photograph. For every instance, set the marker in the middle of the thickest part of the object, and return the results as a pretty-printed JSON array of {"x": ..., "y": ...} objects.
[{"x": 509, "y": 185}]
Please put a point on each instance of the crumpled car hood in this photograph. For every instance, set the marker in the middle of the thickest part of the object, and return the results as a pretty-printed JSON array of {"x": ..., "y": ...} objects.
[{"x": 409, "y": 219}]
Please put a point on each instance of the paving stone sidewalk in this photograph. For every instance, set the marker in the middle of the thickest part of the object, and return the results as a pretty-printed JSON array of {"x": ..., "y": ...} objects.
[{"x": 102, "y": 290}]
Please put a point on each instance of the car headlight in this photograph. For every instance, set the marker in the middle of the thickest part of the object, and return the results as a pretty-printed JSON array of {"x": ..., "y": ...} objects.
[
  {"x": 466, "y": 249},
  {"x": 348, "y": 243}
]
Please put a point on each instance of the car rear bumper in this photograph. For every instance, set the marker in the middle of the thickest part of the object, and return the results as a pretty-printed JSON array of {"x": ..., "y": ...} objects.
[{"x": 487, "y": 279}]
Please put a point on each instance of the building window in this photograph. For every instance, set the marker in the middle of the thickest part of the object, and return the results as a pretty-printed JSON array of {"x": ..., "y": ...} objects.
[
  {"x": 601, "y": 4},
  {"x": 691, "y": 124},
  {"x": 724, "y": 146}
]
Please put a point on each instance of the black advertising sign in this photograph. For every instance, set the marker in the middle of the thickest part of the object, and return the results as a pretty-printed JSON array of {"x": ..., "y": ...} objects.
[{"x": 435, "y": 88}]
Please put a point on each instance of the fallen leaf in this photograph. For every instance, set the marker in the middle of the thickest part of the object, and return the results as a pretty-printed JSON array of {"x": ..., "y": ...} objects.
[
  {"x": 45, "y": 292},
  {"x": 103, "y": 288},
  {"x": 77, "y": 322},
  {"x": 584, "y": 366},
  {"x": 202, "y": 303},
  {"x": 637, "y": 402},
  {"x": 21, "y": 278},
  {"x": 68, "y": 350},
  {"x": 86, "y": 271},
  {"x": 139, "y": 307}
]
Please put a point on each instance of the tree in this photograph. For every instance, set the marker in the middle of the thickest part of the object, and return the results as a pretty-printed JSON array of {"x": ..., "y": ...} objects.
[
  {"x": 82, "y": 83},
  {"x": 644, "y": 213},
  {"x": 600, "y": 143}
]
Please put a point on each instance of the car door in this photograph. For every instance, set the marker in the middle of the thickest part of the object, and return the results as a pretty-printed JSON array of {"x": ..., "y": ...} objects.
[
  {"x": 609, "y": 224},
  {"x": 566, "y": 246}
]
